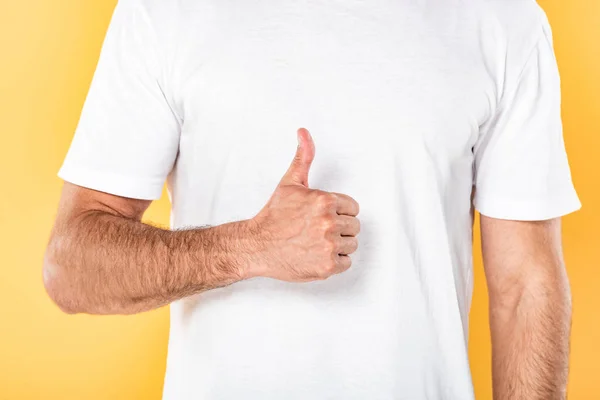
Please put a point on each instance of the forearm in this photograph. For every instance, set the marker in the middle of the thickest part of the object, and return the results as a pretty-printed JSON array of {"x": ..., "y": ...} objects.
[
  {"x": 530, "y": 341},
  {"x": 107, "y": 264}
]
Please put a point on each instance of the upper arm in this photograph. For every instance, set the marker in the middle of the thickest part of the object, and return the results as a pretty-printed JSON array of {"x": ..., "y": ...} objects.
[
  {"x": 522, "y": 178},
  {"x": 76, "y": 201},
  {"x": 127, "y": 139},
  {"x": 521, "y": 169}
]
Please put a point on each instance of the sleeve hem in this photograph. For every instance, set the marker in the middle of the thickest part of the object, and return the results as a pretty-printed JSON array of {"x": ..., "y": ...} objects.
[
  {"x": 118, "y": 185},
  {"x": 533, "y": 209}
]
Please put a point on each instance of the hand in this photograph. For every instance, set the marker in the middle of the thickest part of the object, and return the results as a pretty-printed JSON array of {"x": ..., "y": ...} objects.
[{"x": 304, "y": 234}]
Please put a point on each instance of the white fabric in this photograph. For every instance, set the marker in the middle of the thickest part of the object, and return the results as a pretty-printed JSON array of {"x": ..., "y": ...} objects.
[{"x": 410, "y": 104}]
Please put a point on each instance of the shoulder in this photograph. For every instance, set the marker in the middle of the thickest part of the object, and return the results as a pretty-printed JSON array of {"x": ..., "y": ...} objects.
[
  {"x": 159, "y": 13},
  {"x": 156, "y": 21},
  {"x": 151, "y": 5},
  {"x": 521, "y": 21},
  {"x": 514, "y": 27}
]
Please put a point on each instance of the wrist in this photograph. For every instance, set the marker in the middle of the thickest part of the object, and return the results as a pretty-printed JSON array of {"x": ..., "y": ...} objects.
[
  {"x": 244, "y": 244},
  {"x": 251, "y": 249}
]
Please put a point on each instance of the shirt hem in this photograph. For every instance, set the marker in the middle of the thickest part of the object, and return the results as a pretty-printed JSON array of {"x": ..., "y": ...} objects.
[
  {"x": 115, "y": 184},
  {"x": 534, "y": 209}
]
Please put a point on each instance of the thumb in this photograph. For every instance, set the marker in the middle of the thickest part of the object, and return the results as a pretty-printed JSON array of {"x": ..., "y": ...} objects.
[{"x": 297, "y": 173}]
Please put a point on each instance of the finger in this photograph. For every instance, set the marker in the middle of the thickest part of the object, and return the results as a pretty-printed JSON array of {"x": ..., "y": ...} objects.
[
  {"x": 346, "y": 245},
  {"x": 297, "y": 173},
  {"x": 346, "y": 205},
  {"x": 343, "y": 262},
  {"x": 347, "y": 225}
]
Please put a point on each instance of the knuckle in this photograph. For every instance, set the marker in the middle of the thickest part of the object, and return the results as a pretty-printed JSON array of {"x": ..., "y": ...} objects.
[
  {"x": 345, "y": 262},
  {"x": 327, "y": 269},
  {"x": 329, "y": 247},
  {"x": 327, "y": 224},
  {"x": 348, "y": 263},
  {"x": 326, "y": 200},
  {"x": 320, "y": 274}
]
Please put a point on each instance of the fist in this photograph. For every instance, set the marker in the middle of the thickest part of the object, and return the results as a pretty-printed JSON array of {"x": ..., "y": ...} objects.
[{"x": 304, "y": 234}]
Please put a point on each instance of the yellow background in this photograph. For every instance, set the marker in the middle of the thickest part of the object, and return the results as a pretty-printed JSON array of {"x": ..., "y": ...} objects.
[{"x": 48, "y": 52}]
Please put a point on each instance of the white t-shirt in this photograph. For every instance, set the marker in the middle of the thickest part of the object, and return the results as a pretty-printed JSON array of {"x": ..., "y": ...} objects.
[{"x": 410, "y": 104}]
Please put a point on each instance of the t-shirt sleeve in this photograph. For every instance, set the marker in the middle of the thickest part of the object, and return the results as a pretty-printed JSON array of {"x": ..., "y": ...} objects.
[
  {"x": 127, "y": 138},
  {"x": 521, "y": 170}
]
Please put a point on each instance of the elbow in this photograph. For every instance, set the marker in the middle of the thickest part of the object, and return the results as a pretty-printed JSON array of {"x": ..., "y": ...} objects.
[
  {"x": 58, "y": 282},
  {"x": 550, "y": 286},
  {"x": 547, "y": 289}
]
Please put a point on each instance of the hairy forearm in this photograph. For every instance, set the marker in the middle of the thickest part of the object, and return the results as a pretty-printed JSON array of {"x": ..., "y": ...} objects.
[
  {"x": 101, "y": 263},
  {"x": 530, "y": 339}
]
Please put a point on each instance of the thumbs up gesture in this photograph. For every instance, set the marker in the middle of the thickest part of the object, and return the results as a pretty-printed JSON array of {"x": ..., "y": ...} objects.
[{"x": 304, "y": 234}]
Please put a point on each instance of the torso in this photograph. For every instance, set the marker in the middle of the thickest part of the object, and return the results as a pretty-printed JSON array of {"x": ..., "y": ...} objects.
[{"x": 393, "y": 94}]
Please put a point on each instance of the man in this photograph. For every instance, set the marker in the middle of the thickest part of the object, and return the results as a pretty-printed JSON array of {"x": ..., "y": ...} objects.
[{"x": 421, "y": 112}]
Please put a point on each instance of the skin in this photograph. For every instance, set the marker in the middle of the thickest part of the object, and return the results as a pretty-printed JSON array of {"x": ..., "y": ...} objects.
[
  {"x": 530, "y": 308},
  {"x": 101, "y": 259}
]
